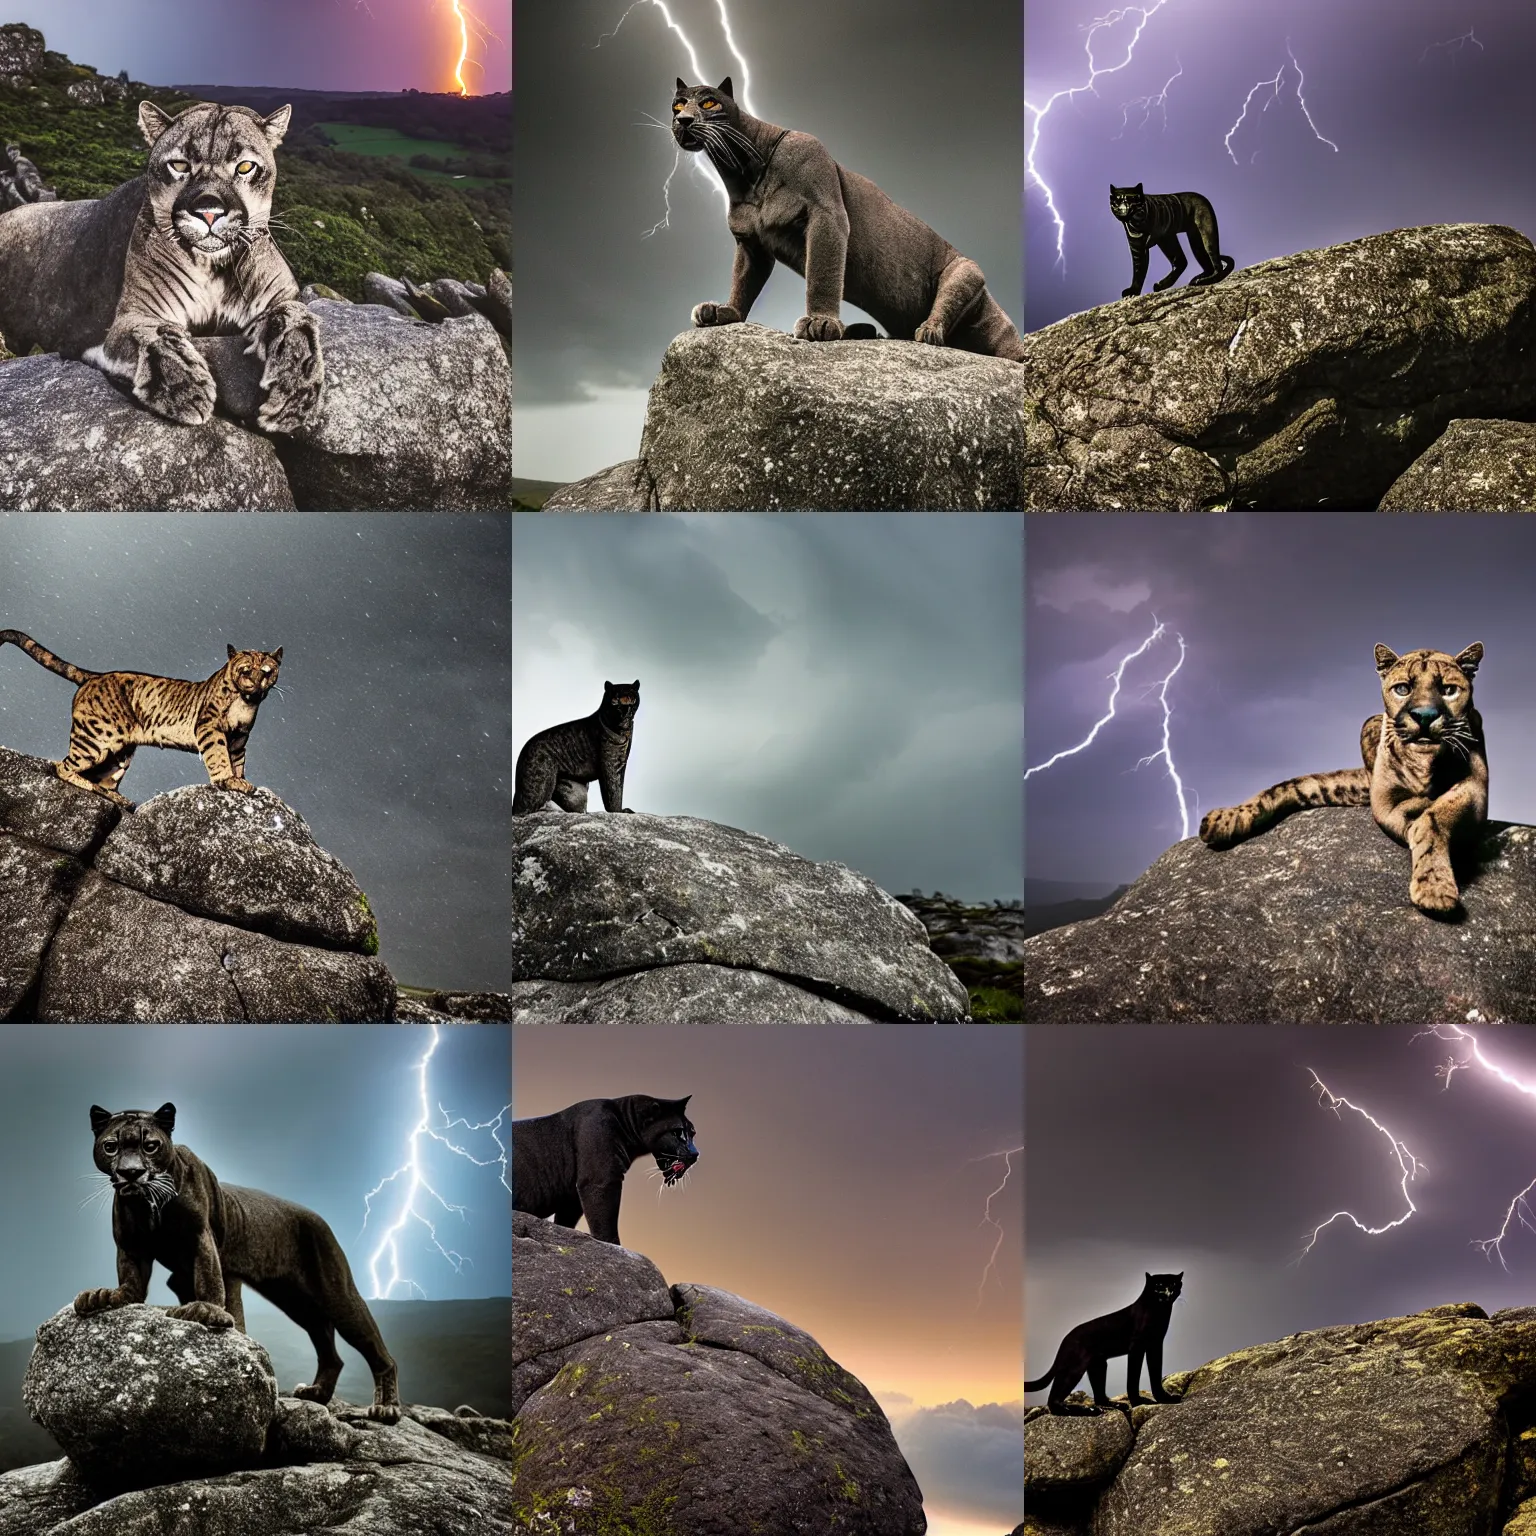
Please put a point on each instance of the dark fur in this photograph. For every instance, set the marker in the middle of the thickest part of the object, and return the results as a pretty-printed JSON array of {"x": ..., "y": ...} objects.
[
  {"x": 557, "y": 764},
  {"x": 1135, "y": 1331},
  {"x": 1159, "y": 218},
  {"x": 572, "y": 1164},
  {"x": 169, "y": 1208},
  {"x": 792, "y": 202}
]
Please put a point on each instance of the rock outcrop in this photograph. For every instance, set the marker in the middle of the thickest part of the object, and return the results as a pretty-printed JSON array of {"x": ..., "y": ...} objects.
[
  {"x": 672, "y": 919},
  {"x": 1473, "y": 466},
  {"x": 1308, "y": 923},
  {"x": 1417, "y": 1423},
  {"x": 1312, "y": 380},
  {"x": 169, "y": 1425},
  {"x": 642, "y": 1406},
  {"x": 743, "y": 418},
  {"x": 413, "y": 416},
  {"x": 201, "y": 906}
]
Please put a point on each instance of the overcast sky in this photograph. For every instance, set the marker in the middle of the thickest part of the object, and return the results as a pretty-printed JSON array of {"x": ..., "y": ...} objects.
[
  {"x": 1234, "y": 1163},
  {"x": 847, "y": 684},
  {"x": 318, "y": 1114},
  {"x": 334, "y": 45},
  {"x": 842, "y": 1183},
  {"x": 391, "y": 737},
  {"x": 1280, "y": 614},
  {"x": 919, "y": 96},
  {"x": 1425, "y": 134}
]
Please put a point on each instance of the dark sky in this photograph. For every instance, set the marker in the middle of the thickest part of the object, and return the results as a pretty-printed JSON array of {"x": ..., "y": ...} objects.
[
  {"x": 847, "y": 684},
  {"x": 1206, "y": 1150},
  {"x": 1425, "y": 134},
  {"x": 391, "y": 740},
  {"x": 335, "y": 45},
  {"x": 921, "y": 96},
  {"x": 842, "y": 1183},
  {"x": 1280, "y": 614},
  {"x": 318, "y": 1114}
]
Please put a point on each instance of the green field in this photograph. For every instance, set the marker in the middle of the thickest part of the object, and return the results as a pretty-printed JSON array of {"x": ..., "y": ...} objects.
[{"x": 391, "y": 144}]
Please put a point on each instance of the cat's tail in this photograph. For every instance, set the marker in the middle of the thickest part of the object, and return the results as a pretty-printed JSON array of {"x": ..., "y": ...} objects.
[
  {"x": 45, "y": 658},
  {"x": 1044, "y": 1381},
  {"x": 1228, "y": 266}
]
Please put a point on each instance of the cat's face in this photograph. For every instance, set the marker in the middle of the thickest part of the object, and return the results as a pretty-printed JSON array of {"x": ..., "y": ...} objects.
[
  {"x": 700, "y": 111},
  {"x": 669, "y": 1139},
  {"x": 253, "y": 673},
  {"x": 211, "y": 171},
  {"x": 1125, "y": 201},
  {"x": 1427, "y": 693},
  {"x": 1165, "y": 1287},
  {"x": 620, "y": 701}
]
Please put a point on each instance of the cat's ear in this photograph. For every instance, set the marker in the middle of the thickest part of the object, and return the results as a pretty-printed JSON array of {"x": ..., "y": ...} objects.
[
  {"x": 1385, "y": 659},
  {"x": 274, "y": 127},
  {"x": 277, "y": 655},
  {"x": 1137, "y": 189},
  {"x": 165, "y": 1118},
  {"x": 725, "y": 88},
  {"x": 99, "y": 1118},
  {"x": 1148, "y": 1274},
  {"x": 607, "y": 686},
  {"x": 682, "y": 85},
  {"x": 152, "y": 122},
  {"x": 232, "y": 651},
  {"x": 1470, "y": 658}
]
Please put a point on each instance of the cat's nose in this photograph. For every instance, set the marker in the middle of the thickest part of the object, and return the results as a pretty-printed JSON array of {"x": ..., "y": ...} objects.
[
  {"x": 132, "y": 1175},
  {"x": 1425, "y": 717}
]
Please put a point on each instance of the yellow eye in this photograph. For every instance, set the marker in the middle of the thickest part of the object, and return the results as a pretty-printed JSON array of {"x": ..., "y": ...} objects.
[
  {"x": 178, "y": 165},
  {"x": 709, "y": 104},
  {"x": 677, "y": 106},
  {"x": 245, "y": 167}
]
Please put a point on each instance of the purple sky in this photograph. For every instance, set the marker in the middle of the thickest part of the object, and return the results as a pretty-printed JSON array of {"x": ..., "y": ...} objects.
[
  {"x": 338, "y": 45},
  {"x": 1234, "y": 1163},
  {"x": 1423, "y": 137},
  {"x": 1280, "y": 615}
]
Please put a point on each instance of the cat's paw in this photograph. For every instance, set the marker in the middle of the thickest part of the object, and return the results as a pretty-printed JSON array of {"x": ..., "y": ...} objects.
[
  {"x": 1166, "y": 282},
  {"x": 241, "y": 786},
  {"x": 288, "y": 341},
  {"x": 715, "y": 314},
  {"x": 173, "y": 380},
  {"x": 204, "y": 1312},
  {"x": 385, "y": 1413},
  {"x": 929, "y": 333},
  {"x": 99, "y": 1300},
  {"x": 310, "y": 1394},
  {"x": 819, "y": 328},
  {"x": 1221, "y": 828},
  {"x": 1130, "y": 293}
]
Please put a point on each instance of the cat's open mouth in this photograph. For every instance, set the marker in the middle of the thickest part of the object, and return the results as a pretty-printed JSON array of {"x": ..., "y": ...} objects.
[{"x": 672, "y": 1173}]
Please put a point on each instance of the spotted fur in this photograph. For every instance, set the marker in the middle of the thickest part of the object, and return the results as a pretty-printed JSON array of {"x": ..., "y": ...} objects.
[
  {"x": 115, "y": 712},
  {"x": 1425, "y": 776}
]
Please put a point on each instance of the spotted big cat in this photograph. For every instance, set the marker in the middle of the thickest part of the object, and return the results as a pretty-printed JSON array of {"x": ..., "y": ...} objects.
[
  {"x": 114, "y": 713},
  {"x": 572, "y": 1163},
  {"x": 791, "y": 202},
  {"x": 1159, "y": 218},
  {"x": 557, "y": 764},
  {"x": 1425, "y": 776},
  {"x": 1136, "y": 1331},
  {"x": 213, "y": 1238}
]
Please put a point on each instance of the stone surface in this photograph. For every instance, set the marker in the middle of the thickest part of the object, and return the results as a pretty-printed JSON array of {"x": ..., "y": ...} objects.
[
  {"x": 245, "y": 859},
  {"x": 123, "y": 957},
  {"x": 36, "y": 888},
  {"x": 135, "y": 1397},
  {"x": 742, "y": 418},
  {"x": 1473, "y": 466},
  {"x": 414, "y": 416},
  {"x": 1312, "y": 380},
  {"x": 691, "y": 1410},
  {"x": 21, "y": 49},
  {"x": 36, "y": 803},
  {"x": 594, "y": 897},
  {"x": 677, "y": 994},
  {"x": 1073, "y": 1455},
  {"x": 74, "y": 443},
  {"x": 622, "y": 487},
  {"x": 1308, "y": 923}
]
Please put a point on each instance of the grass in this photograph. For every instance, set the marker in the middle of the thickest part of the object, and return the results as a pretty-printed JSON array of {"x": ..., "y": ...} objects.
[{"x": 392, "y": 144}]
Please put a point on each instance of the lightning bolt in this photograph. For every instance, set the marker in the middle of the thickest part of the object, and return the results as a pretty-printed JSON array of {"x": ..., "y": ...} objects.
[
  {"x": 1149, "y": 104},
  {"x": 417, "y": 1183},
  {"x": 1457, "y": 45},
  {"x": 987, "y": 1219},
  {"x": 1409, "y": 1164},
  {"x": 1035, "y": 116},
  {"x": 700, "y": 163},
  {"x": 1165, "y": 752},
  {"x": 1274, "y": 85}
]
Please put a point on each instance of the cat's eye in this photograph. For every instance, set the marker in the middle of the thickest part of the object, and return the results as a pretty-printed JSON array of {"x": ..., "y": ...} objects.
[
  {"x": 1402, "y": 690},
  {"x": 245, "y": 167},
  {"x": 709, "y": 103},
  {"x": 151, "y": 1146},
  {"x": 178, "y": 165},
  {"x": 1450, "y": 690}
]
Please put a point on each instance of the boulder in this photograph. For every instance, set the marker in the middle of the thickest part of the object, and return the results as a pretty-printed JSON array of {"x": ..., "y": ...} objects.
[
  {"x": 743, "y": 418},
  {"x": 1312, "y": 380},
  {"x": 21, "y": 49},
  {"x": 414, "y": 416},
  {"x": 135, "y": 1397},
  {"x": 598, "y": 897},
  {"x": 680, "y": 994},
  {"x": 1308, "y": 923},
  {"x": 74, "y": 443},
  {"x": 163, "y": 1408},
  {"x": 245, "y": 859},
  {"x": 1473, "y": 466},
  {"x": 121, "y": 956},
  {"x": 1067, "y": 1459},
  {"x": 87, "y": 91},
  {"x": 687, "y": 1407},
  {"x": 201, "y": 905},
  {"x": 622, "y": 487},
  {"x": 1401, "y": 1425}
]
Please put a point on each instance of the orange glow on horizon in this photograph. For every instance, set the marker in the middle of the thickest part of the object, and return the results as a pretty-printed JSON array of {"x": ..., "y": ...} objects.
[{"x": 458, "y": 69}]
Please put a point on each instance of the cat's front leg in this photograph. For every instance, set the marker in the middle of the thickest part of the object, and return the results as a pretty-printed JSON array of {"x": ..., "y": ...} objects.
[
  {"x": 132, "y": 1287},
  {"x": 750, "y": 269},
  {"x": 826, "y": 260},
  {"x": 1176, "y": 260},
  {"x": 158, "y": 362},
  {"x": 286, "y": 339},
  {"x": 959, "y": 284},
  {"x": 1155, "y": 1374},
  {"x": 1138, "y": 271},
  {"x": 214, "y": 750}
]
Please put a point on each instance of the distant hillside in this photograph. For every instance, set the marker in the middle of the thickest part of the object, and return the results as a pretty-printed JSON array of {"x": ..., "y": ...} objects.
[
  {"x": 1041, "y": 919},
  {"x": 336, "y": 214},
  {"x": 449, "y": 1352}
]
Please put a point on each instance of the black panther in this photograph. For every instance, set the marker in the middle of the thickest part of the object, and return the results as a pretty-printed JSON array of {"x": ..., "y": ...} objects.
[{"x": 572, "y": 1163}]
